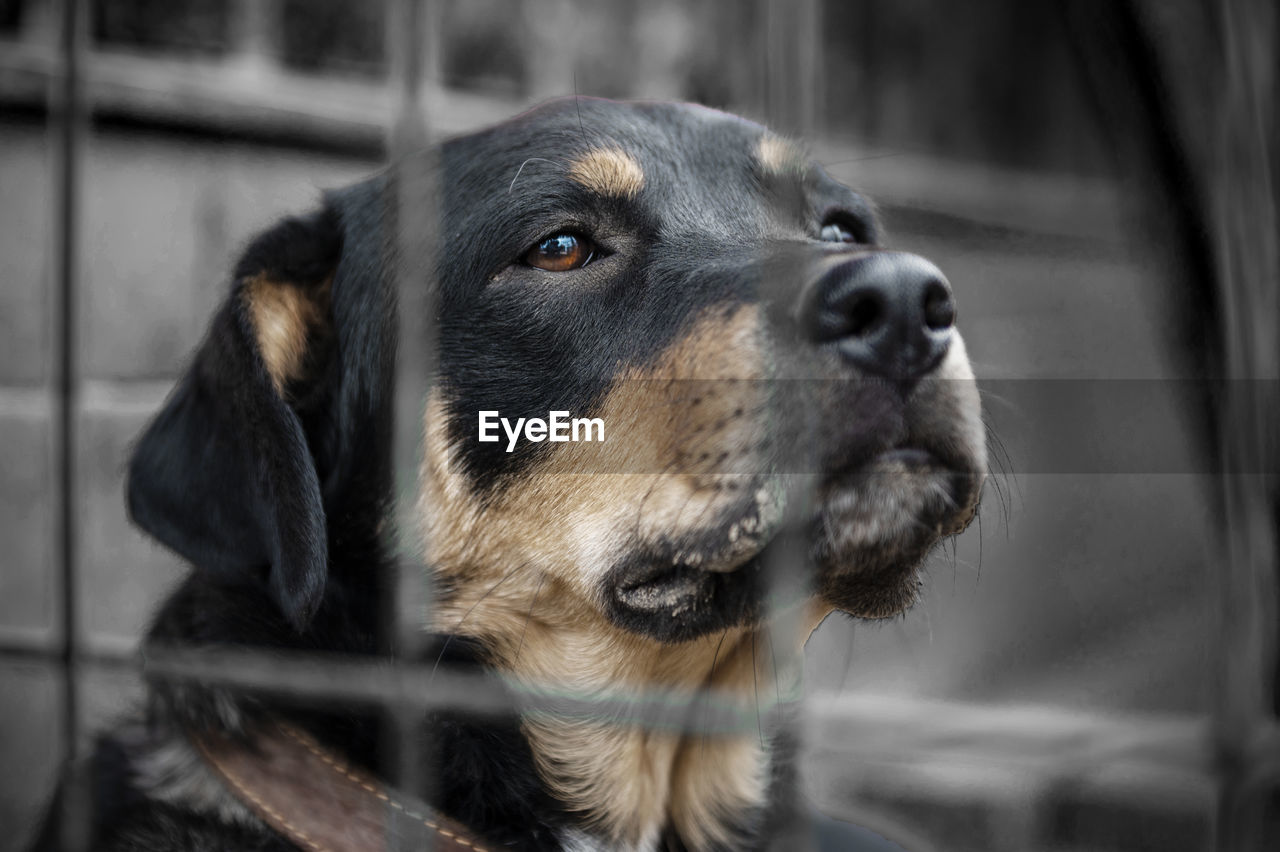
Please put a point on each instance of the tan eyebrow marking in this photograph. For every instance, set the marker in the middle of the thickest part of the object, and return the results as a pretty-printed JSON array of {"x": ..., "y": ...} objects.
[
  {"x": 282, "y": 316},
  {"x": 779, "y": 156},
  {"x": 608, "y": 171}
]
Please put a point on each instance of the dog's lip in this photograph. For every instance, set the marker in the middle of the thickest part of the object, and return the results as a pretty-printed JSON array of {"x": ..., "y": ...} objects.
[
  {"x": 661, "y": 586},
  {"x": 672, "y": 579},
  {"x": 659, "y": 574},
  {"x": 648, "y": 575}
]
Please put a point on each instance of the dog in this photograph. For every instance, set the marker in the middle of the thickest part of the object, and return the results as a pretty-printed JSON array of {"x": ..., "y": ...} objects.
[{"x": 685, "y": 404}]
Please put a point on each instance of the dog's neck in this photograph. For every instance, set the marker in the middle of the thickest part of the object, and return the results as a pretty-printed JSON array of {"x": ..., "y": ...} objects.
[{"x": 628, "y": 782}]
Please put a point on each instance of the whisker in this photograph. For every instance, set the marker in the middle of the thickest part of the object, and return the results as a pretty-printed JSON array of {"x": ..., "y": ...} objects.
[
  {"x": 1002, "y": 477},
  {"x": 777, "y": 688},
  {"x": 706, "y": 734},
  {"x": 529, "y": 617},
  {"x": 955, "y": 557},
  {"x": 658, "y": 479},
  {"x": 966, "y": 565},
  {"x": 519, "y": 170},
  {"x": 578, "y": 106},
  {"x": 978, "y": 579},
  {"x": 867, "y": 158},
  {"x": 848, "y": 656},
  {"x": 989, "y": 395},
  {"x": 454, "y": 632},
  {"x": 755, "y": 683}
]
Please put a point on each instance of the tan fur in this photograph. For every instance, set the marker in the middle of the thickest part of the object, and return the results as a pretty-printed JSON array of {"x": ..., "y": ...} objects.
[
  {"x": 710, "y": 777},
  {"x": 608, "y": 171},
  {"x": 631, "y": 781},
  {"x": 522, "y": 571},
  {"x": 572, "y": 516},
  {"x": 780, "y": 156},
  {"x": 283, "y": 315}
]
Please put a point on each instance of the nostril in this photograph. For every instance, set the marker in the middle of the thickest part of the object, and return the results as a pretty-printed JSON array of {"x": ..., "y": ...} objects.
[
  {"x": 864, "y": 315},
  {"x": 939, "y": 307},
  {"x": 888, "y": 314}
]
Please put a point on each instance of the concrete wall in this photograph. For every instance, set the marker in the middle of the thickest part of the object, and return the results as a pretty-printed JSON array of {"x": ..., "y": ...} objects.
[{"x": 161, "y": 222}]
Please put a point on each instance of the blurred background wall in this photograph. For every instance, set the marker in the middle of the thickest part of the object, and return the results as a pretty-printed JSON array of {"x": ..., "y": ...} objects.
[{"x": 1052, "y": 690}]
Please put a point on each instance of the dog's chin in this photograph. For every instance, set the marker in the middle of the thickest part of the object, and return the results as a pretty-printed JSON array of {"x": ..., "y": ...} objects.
[
  {"x": 865, "y": 544},
  {"x": 876, "y": 526}
]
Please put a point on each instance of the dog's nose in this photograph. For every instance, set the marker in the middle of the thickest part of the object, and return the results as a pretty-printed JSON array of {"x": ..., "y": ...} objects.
[{"x": 889, "y": 313}]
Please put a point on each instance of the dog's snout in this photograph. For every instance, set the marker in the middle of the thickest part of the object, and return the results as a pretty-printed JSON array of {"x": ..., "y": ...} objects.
[{"x": 890, "y": 314}]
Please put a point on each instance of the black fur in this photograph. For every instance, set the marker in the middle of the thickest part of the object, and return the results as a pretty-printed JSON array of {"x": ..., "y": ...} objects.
[{"x": 280, "y": 503}]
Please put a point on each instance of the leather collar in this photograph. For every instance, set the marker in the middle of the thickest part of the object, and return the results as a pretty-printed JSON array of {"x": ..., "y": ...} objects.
[{"x": 314, "y": 798}]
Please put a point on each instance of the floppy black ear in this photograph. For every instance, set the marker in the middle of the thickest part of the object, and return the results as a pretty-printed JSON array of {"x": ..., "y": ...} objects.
[{"x": 262, "y": 436}]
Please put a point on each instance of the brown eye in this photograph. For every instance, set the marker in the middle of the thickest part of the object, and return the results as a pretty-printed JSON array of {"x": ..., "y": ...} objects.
[{"x": 561, "y": 253}]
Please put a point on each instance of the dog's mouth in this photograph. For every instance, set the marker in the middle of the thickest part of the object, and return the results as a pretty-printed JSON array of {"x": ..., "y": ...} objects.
[
  {"x": 876, "y": 524},
  {"x": 672, "y": 588},
  {"x": 869, "y": 528},
  {"x": 677, "y": 602},
  {"x": 905, "y": 486},
  {"x": 679, "y": 591}
]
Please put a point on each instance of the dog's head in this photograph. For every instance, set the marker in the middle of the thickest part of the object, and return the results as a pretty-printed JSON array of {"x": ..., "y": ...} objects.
[{"x": 747, "y": 373}]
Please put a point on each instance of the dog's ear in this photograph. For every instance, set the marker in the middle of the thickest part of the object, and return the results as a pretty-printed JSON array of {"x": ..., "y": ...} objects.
[{"x": 282, "y": 412}]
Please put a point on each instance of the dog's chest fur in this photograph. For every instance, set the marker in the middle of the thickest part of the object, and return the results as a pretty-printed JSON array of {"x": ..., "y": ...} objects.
[
  {"x": 629, "y": 783},
  {"x": 637, "y": 784}
]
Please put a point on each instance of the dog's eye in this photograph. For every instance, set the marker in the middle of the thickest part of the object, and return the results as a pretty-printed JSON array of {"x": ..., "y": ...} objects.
[
  {"x": 561, "y": 253},
  {"x": 836, "y": 231}
]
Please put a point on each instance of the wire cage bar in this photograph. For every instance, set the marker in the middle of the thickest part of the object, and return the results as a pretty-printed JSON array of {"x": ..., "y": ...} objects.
[
  {"x": 413, "y": 44},
  {"x": 70, "y": 122},
  {"x": 1246, "y": 220}
]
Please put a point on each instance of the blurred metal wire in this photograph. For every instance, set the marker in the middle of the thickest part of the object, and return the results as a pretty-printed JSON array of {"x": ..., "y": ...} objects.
[
  {"x": 1211, "y": 198},
  {"x": 424, "y": 686},
  {"x": 792, "y": 42},
  {"x": 1248, "y": 243},
  {"x": 412, "y": 43},
  {"x": 70, "y": 121},
  {"x": 792, "y": 85}
]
